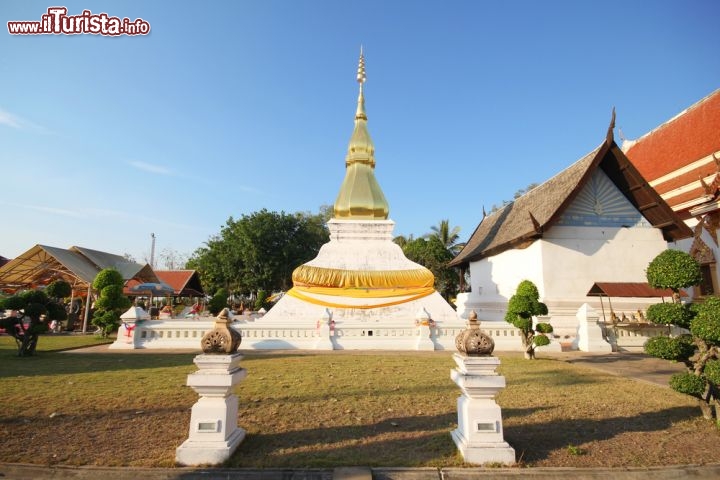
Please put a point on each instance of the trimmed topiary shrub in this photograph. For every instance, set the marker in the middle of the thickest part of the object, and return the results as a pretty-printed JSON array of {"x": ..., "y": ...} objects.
[
  {"x": 712, "y": 372},
  {"x": 111, "y": 303},
  {"x": 522, "y": 307},
  {"x": 670, "y": 314},
  {"x": 688, "y": 384},
  {"x": 706, "y": 324},
  {"x": 667, "y": 348},
  {"x": 673, "y": 269},
  {"x": 218, "y": 302}
]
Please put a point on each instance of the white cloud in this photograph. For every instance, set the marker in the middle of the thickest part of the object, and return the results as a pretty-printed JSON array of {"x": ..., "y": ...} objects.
[
  {"x": 149, "y": 167},
  {"x": 10, "y": 120},
  {"x": 53, "y": 210}
]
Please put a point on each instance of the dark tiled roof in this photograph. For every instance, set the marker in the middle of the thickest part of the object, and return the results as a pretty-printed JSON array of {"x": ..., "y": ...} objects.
[
  {"x": 521, "y": 222},
  {"x": 629, "y": 290}
]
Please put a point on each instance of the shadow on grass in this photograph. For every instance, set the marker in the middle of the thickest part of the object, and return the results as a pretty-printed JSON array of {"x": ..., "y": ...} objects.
[
  {"x": 426, "y": 440},
  {"x": 536, "y": 442},
  {"x": 390, "y": 442},
  {"x": 58, "y": 363}
]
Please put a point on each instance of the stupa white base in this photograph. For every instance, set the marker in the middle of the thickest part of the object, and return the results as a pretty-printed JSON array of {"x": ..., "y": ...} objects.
[
  {"x": 363, "y": 245},
  {"x": 479, "y": 436},
  {"x": 214, "y": 433}
]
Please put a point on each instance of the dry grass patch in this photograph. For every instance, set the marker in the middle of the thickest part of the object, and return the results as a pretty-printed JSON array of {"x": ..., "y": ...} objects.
[{"x": 338, "y": 409}]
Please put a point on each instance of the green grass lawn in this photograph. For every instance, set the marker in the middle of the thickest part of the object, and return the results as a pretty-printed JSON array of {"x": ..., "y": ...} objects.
[
  {"x": 335, "y": 409},
  {"x": 54, "y": 342}
]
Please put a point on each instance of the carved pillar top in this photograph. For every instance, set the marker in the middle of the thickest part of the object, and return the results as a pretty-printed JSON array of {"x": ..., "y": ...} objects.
[
  {"x": 474, "y": 342},
  {"x": 222, "y": 339}
]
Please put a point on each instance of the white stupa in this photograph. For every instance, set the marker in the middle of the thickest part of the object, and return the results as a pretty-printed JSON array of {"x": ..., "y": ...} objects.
[{"x": 361, "y": 288}]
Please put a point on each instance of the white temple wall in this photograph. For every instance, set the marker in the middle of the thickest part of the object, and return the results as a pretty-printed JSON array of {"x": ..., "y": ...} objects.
[
  {"x": 564, "y": 264},
  {"x": 577, "y": 257},
  {"x": 494, "y": 280}
]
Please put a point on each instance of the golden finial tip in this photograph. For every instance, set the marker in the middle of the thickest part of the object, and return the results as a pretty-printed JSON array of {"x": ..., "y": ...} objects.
[{"x": 361, "y": 68}]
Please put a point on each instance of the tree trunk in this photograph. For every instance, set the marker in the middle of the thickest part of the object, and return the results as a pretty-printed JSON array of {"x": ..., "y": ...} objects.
[{"x": 706, "y": 409}]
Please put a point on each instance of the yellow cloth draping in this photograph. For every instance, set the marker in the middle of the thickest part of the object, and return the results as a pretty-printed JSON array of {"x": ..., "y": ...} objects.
[
  {"x": 416, "y": 294},
  {"x": 310, "y": 276}
]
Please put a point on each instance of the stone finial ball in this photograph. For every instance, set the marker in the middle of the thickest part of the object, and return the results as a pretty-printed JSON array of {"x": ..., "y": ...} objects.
[{"x": 472, "y": 341}]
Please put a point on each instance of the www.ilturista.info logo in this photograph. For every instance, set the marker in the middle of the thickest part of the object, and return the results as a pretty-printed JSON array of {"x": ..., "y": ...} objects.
[{"x": 57, "y": 22}]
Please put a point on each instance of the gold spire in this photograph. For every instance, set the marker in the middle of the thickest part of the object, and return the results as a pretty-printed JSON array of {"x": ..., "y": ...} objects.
[{"x": 360, "y": 195}]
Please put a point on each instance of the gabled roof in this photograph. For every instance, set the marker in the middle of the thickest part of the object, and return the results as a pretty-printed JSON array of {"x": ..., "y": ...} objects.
[
  {"x": 186, "y": 283},
  {"x": 42, "y": 264},
  {"x": 526, "y": 219},
  {"x": 677, "y": 159}
]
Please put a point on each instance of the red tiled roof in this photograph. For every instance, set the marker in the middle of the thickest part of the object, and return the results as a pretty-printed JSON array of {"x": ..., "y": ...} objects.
[
  {"x": 180, "y": 280},
  {"x": 690, "y": 136},
  {"x": 676, "y": 157},
  {"x": 183, "y": 282}
]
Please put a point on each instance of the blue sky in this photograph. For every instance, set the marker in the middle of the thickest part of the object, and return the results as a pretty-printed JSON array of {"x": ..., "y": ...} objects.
[{"x": 226, "y": 108}]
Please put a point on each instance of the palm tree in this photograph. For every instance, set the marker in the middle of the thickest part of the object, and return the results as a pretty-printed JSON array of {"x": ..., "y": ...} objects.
[{"x": 447, "y": 236}]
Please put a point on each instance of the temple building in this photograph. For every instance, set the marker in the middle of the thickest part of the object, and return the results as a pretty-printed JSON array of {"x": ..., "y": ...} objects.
[
  {"x": 361, "y": 291},
  {"x": 681, "y": 161},
  {"x": 596, "y": 222}
]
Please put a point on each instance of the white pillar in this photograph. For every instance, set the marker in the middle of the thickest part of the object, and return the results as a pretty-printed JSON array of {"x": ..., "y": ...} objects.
[
  {"x": 479, "y": 436},
  {"x": 214, "y": 431},
  {"x": 127, "y": 337},
  {"x": 424, "y": 330},
  {"x": 589, "y": 334},
  {"x": 325, "y": 333}
]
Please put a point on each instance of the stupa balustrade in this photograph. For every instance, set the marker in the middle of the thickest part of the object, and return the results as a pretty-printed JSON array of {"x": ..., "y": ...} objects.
[{"x": 186, "y": 334}]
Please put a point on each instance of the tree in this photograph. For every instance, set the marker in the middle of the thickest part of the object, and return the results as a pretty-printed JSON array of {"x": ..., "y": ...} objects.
[
  {"x": 172, "y": 259},
  {"x": 259, "y": 251},
  {"x": 111, "y": 303},
  {"x": 431, "y": 253},
  {"x": 447, "y": 236},
  {"x": 218, "y": 301},
  {"x": 522, "y": 307},
  {"x": 673, "y": 269},
  {"x": 700, "y": 349},
  {"x": 31, "y": 305}
]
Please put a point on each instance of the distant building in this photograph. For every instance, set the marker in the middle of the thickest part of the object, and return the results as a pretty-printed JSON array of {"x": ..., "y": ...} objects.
[
  {"x": 596, "y": 221},
  {"x": 681, "y": 161}
]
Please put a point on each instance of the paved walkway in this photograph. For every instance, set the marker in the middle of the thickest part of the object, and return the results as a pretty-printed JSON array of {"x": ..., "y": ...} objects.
[{"x": 638, "y": 367}]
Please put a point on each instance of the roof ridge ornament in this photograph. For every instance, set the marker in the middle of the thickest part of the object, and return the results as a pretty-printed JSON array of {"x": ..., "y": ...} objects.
[{"x": 609, "y": 138}]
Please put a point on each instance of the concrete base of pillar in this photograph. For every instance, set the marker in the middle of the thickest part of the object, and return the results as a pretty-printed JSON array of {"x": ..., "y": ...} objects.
[
  {"x": 484, "y": 453},
  {"x": 196, "y": 452}
]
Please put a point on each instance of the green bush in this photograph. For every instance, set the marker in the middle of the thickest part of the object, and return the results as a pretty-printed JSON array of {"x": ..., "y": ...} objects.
[
  {"x": 688, "y": 384},
  {"x": 679, "y": 348},
  {"x": 218, "y": 302},
  {"x": 670, "y": 314},
  {"x": 541, "y": 340},
  {"x": 673, "y": 269},
  {"x": 107, "y": 276},
  {"x": 712, "y": 372},
  {"x": 706, "y": 324},
  {"x": 544, "y": 328},
  {"x": 35, "y": 296},
  {"x": 59, "y": 289}
]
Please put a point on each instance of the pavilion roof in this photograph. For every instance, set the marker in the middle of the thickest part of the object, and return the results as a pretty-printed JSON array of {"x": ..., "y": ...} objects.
[
  {"x": 43, "y": 264},
  {"x": 185, "y": 283}
]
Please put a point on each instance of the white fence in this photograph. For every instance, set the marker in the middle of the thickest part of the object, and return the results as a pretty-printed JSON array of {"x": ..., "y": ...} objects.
[{"x": 186, "y": 334}]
